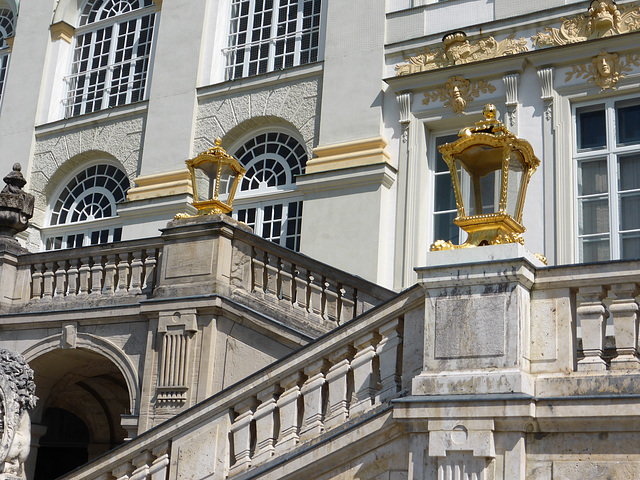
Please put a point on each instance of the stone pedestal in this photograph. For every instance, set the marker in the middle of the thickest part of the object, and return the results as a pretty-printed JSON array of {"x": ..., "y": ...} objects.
[{"x": 477, "y": 321}]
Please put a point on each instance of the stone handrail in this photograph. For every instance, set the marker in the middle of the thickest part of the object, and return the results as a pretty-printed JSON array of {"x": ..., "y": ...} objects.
[
  {"x": 124, "y": 268},
  {"x": 358, "y": 365},
  {"x": 593, "y": 309}
]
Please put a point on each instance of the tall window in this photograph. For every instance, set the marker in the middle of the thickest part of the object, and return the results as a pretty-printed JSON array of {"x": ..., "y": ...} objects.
[
  {"x": 268, "y": 35},
  {"x": 110, "y": 56},
  {"x": 6, "y": 31},
  {"x": 78, "y": 213},
  {"x": 607, "y": 155},
  {"x": 267, "y": 199}
]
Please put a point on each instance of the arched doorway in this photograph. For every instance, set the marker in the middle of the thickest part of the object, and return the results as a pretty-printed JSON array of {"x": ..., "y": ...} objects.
[{"x": 82, "y": 397}]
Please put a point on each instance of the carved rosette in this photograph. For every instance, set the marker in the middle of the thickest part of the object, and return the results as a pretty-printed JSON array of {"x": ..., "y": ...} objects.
[
  {"x": 457, "y": 50},
  {"x": 458, "y": 92},
  {"x": 603, "y": 19}
]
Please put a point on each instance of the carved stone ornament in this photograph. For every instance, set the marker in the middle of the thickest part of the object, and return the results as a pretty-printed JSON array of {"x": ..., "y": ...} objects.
[
  {"x": 17, "y": 396},
  {"x": 457, "y": 50},
  {"x": 16, "y": 205},
  {"x": 457, "y": 92},
  {"x": 603, "y": 19},
  {"x": 605, "y": 69}
]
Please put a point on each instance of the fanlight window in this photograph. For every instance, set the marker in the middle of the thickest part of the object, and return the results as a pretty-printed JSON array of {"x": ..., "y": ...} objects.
[
  {"x": 111, "y": 55},
  {"x": 89, "y": 196},
  {"x": 267, "y": 200},
  {"x": 6, "y": 31}
]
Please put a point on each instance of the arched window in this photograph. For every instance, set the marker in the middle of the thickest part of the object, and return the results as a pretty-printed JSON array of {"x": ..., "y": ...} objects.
[
  {"x": 7, "y": 27},
  {"x": 267, "y": 199},
  {"x": 90, "y": 195},
  {"x": 111, "y": 55}
]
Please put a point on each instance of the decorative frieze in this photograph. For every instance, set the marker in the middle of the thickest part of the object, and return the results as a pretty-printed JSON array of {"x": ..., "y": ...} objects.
[
  {"x": 457, "y": 92},
  {"x": 605, "y": 70},
  {"x": 457, "y": 50},
  {"x": 603, "y": 19}
]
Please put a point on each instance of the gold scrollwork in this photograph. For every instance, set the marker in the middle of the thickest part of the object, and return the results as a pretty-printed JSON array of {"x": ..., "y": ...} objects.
[
  {"x": 457, "y": 50},
  {"x": 457, "y": 92},
  {"x": 605, "y": 70},
  {"x": 603, "y": 19}
]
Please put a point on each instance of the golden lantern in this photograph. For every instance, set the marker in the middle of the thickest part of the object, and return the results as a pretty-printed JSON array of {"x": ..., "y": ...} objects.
[
  {"x": 490, "y": 170},
  {"x": 215, "y": 176}
]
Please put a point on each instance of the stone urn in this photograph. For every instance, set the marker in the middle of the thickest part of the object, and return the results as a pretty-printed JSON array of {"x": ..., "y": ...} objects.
[{"x": 16, "y": 205}]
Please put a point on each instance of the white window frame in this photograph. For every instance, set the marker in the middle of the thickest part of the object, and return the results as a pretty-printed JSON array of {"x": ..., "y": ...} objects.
[
  {"x": 71, "y": 106},
  {"x": 5, "y": 51},
  {"x": 270, "y": 40},
  {"x": 611, "y": 152}
]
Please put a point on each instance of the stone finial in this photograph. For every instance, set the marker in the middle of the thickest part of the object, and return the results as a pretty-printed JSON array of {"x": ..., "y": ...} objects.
[
  {"x": 17, "y": 396},
  {"x": 16, "y": 205}
]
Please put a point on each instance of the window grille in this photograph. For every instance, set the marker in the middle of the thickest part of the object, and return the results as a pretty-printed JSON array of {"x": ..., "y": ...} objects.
[
  {"x": 111, "y": 55},
  {"x": 607, "y": 155},
  {"x": 89, "y": 196},
  {"x": 6, "y": 31},
  {"x": 269, "y": 35},
  {"x": 267, "y": 200}
]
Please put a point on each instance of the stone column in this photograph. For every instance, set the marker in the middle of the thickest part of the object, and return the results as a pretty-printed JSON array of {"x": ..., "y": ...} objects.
[
  {"x": 265, "y": 419},
  {"x": 337, "y": 380},
  {"x": 241, "y": 431},
  {"x": 364, "y": 374},
  {"x": 288, "y": 405},
  {"x": 389, "y": 352},
  {"x": 311, "y": 391},
  {"x": 592, "y": 316}
]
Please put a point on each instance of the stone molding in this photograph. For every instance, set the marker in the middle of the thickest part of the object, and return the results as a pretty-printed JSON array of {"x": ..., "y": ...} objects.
[
  {"x": 158, "y": 185},
  {"x": 354, "y": 153},
  {"x": 62, "y": 31}
]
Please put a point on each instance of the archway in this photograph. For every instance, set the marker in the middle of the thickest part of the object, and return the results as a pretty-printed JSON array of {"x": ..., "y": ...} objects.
[{"x": 82, "y": 397}]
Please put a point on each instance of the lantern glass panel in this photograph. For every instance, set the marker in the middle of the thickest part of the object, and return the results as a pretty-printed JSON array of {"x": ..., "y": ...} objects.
[
  {"x": 514, "y": 184},
  {"x": 227, "y": 176},
  {"x": 203, "y": 185}
]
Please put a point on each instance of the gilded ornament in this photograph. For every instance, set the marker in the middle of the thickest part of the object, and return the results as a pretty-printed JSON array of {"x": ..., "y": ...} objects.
[
  {"x": 606, "y": 69},
  {"x": 457, "y": 92},
  {"x": 457, "y": 50},
  {"x": 603, "y": 19}
]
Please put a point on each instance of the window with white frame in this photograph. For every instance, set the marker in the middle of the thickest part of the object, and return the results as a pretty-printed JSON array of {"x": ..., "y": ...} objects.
[
  {"x": 111, "y": 55},
  {"x": 267, "y": 199},
  {"x": 607, "y": 159},
  {"x": 84, "y": 211},
  {"x": 6, "y": 30},
  {"x": 269, "y": 35},
  {"x": 444, "y": 199}
]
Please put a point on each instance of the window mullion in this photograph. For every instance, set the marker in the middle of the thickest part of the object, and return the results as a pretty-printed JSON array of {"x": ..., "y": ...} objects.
[
  {"x": 259, "y": 219},
  {"x": 248, "y": 38},
  {"x": 132, "y": 61},
  {"x": 108, "y": 78},
  {"x": 612, "y": 160},
  {"x": 297, "y": 51},
  {"x": 273, "y": 33}
]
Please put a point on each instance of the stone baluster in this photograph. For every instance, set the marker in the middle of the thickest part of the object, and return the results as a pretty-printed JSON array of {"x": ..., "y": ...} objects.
[
  {"x": 110, "y": 271},
  {"x": 315, "y": 298},
  {"x": 96, "y": 276},
  {"x": 122, "y": 472},
  {"x": 141, "y": 462},
  {"x": 137, "y": 267},
  {"x": 338, "y": 385},
  {"x": 364, "y": 373},
  {"x": 332, "y": 301},
  {"x": 258, "y": 262},
  {"x": 36, "y": 280},
  {"x": 61, "y": 276},
  {"x": 149, "y": 271},
  {"x": 48, "y": 278},
  {"x": 311, "y": 391},
  {"x": 272, "y": 275},
  {"x": 302, "y": 292},
  {"x": 347, "y": 303},
  {"x": 123, "y": 274},
  {"x": 241, "y": 431},
  {"x": 84, "y": 273},
  {"x": 266, "y": 428},
  {"x": 389, "y": 352},
  {"x": 288, "y": 408},
  {"x": 624, "y": 311},
  {"x": 592, "y": 316},
  {"x": 72, "y": 277},
  {"x": 158, "y": 469},
  {"x": 286, "y": 282}
]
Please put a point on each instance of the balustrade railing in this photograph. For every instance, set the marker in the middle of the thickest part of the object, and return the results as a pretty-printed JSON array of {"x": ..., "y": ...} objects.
[
  {"x": 603, "y": 316},
  {"x": 126, "y": 268},
  {"x": 295, "y": 400},
  {"x": 297, "y": 281}
]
